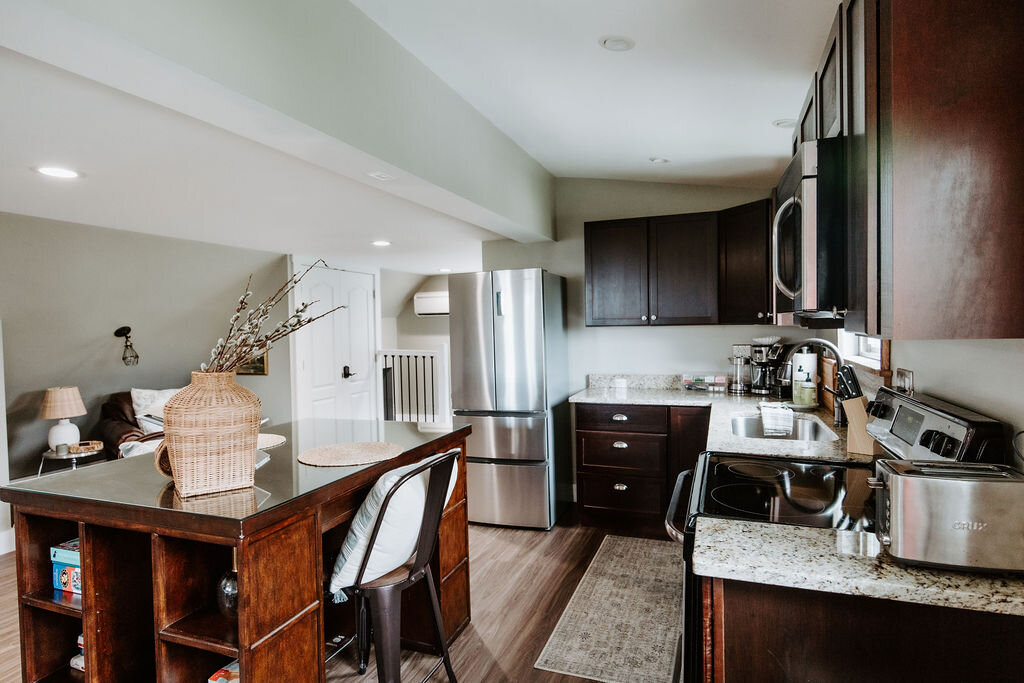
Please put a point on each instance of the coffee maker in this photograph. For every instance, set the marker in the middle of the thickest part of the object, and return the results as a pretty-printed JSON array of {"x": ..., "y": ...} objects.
[{"x": 768, "y": 378}]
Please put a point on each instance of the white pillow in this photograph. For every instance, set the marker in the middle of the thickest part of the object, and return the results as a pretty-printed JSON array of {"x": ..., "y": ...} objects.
[
  {"x": 398, "y": 533},
  {"x": 150, "y": 402},
  {"x": 131, "y": 449}
]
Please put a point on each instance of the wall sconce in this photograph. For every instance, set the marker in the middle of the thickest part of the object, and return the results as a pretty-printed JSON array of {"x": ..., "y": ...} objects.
[{"x": 130, "y": 356}]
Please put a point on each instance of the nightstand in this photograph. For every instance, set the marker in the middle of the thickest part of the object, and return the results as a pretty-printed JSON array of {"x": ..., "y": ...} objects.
[{"x": 50, "y": 454}]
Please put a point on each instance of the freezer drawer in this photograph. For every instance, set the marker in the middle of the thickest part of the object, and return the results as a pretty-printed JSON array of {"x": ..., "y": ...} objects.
[
  {"x": 510, "y": 495},
  {"x": 505, "y": 438}
]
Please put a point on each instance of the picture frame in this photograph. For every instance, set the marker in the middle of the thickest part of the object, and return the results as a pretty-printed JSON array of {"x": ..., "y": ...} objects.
[{"x": 257, "y": 366}]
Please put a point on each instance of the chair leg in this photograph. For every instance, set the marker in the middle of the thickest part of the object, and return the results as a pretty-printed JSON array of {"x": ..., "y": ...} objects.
[
  {"x": 363, "y": 633},
  {"x": 386, "y": 613},
  {"x": 435, "y": 607}
]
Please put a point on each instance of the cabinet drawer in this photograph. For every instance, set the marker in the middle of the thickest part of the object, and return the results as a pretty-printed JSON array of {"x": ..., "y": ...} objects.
[
  {"x": 618, "y": 418},
  {"x": 622, "y": 451},
  {"x": 624, "y": 493}
]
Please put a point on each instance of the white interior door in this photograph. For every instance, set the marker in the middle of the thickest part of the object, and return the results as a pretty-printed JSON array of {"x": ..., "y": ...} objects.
[{"x": 335, "y": 358}]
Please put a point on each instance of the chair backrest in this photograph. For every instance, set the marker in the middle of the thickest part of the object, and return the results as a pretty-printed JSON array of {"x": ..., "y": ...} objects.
[{"x": 441, "y": 467}]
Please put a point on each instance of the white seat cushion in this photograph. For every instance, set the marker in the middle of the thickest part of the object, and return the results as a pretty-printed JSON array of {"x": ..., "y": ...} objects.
[{"x": 398, "y": 533}]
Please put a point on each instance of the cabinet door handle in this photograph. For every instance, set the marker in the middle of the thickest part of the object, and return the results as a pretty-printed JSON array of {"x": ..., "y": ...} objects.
[
  {"x": 620, "y": 444},
  {"x": 620, "y": 487},
  {"x": 760, "y": 315},
  {"x": 644, "y": 318},
  {"x": 654, "y": 317},
  {"x": 619, "y": 417}
]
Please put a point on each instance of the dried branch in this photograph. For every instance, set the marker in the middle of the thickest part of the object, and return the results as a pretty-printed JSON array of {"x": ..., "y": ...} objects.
[{"x": 245, "y": 340}]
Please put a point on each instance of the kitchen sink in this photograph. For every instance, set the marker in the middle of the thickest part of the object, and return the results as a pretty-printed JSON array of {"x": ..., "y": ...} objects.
[{"x": 804, "y": 429}]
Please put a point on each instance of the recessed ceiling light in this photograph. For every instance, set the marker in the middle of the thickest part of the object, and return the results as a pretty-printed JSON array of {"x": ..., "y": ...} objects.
[
  {"x": 381, "y": 175},
  {"x": 658, "y": 160},
  {"x": 784, "y": 123},
  {"x": 381, "y": 243},
  {"x": 57, "y": 172},
  {"x": 617, "y": 43},
  {"x": 445, "y": 270}
]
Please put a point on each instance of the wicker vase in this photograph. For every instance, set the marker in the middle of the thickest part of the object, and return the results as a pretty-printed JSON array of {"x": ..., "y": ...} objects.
[{"x": 210, "y": 429}]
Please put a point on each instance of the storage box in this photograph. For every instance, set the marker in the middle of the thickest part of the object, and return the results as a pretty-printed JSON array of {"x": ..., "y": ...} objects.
[
  {"x": 67, "y": 578},
  {"x": 228, "y": 674},
  {"x": 67, "y": 553}
]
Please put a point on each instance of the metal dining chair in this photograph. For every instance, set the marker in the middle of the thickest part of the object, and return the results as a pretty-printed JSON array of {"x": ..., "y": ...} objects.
[{"x": 383, "y": 595}]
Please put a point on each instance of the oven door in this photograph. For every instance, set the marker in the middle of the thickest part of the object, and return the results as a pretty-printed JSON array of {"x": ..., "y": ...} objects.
[{"x": 688, "y": 662}]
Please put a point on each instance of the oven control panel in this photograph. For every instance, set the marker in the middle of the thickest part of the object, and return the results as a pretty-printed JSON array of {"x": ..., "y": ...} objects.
[{"x": 921, "y": 427}]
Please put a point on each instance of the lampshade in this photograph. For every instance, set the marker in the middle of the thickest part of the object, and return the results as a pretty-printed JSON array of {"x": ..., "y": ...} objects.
[{"x": 60, "y": 403}]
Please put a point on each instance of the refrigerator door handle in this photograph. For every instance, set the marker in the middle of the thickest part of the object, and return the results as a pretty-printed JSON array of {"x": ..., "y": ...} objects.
[{"x": 497, "y": 305}]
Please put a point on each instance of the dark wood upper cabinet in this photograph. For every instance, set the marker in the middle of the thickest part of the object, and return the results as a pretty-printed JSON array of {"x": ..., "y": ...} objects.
[
  {"x": 616, "y": 272},
  {"x": 683, "y": 272},
  {"x": 807, "y": 123},
  {"x": 828, "y": 83},
  {"x": 686, "y": 269},
  {"x": 743, "y": 268},
  {"x": 935, "y": 168}
]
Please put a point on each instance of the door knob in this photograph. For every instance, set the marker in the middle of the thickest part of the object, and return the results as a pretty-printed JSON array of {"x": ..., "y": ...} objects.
[{"x": 346, "y": 373}]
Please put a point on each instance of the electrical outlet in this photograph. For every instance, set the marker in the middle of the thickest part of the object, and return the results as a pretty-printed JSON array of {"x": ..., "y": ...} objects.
[{"x": 904, "y": 382}]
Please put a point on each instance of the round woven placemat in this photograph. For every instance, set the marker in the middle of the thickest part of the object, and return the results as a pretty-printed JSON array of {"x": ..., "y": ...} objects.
[{"x": 343, "y": 454}]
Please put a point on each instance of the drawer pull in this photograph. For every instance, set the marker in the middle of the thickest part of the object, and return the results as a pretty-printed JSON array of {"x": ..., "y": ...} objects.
[
  {"x": 620, "y": 487},
  {"x": 620, "y": 444},
  {"x": 619, "y": 417}
]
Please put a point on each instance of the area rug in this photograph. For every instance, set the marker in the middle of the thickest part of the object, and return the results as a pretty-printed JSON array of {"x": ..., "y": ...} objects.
[{"x": 622, "y": 622}]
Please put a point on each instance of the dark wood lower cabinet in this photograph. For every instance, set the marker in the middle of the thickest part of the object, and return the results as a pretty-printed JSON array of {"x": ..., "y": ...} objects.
[
  {"x": 756, "y": 632},
  {"x": 627, "y": 460}
]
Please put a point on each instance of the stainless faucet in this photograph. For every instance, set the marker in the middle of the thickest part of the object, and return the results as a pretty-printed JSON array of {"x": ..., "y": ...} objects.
[{"x": 838, "y": 414}]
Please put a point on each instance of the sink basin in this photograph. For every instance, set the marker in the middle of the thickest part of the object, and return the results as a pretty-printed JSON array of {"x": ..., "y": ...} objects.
[{"x": 804, "y": 429}]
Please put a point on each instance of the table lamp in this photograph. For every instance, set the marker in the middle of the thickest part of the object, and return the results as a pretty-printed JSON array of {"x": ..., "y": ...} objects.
[{"x": 61, "y": 403}]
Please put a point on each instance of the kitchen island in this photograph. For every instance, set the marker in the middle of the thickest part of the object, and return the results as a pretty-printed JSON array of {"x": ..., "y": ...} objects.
[{"x": 151, "y": 562}]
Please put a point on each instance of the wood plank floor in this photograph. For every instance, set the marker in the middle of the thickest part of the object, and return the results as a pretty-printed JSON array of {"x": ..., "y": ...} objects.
[
  {"x": 10, "y": 646},
  {"x": 520, "y": 582}
]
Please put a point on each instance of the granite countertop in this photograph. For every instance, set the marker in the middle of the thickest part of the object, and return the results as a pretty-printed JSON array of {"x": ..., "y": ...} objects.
[
  {"x": 809, "y": 558},
  {"x": 662, "y": 390}
]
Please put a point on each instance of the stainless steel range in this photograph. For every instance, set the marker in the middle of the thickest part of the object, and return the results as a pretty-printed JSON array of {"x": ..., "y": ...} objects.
[{"x": 840, "y": 495}]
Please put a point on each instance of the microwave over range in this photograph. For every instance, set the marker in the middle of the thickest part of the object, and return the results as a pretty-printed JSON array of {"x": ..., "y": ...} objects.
[{"x": 809, "y": 238}]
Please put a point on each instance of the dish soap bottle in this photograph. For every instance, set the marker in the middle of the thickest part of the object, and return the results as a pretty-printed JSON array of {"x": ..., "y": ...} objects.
[{"x": 805, "y": 378}]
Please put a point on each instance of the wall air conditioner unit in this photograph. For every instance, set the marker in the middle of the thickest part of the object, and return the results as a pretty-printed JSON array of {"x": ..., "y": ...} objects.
[{"x": 428, "y": 304}]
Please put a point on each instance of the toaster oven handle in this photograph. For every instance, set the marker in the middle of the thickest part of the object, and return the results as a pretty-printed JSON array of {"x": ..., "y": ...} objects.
[{"x": 779, "y": 284}]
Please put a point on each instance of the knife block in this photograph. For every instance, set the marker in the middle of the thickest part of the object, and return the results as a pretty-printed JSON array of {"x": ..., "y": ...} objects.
[{"x": 857, "y": 438}]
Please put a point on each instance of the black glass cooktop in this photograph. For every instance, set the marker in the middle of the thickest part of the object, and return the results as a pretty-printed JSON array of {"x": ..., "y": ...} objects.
[{"x": 814, "y": 493}]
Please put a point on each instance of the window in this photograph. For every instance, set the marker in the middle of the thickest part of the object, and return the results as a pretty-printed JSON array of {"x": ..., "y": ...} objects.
[{"x": 866, "y": 351}]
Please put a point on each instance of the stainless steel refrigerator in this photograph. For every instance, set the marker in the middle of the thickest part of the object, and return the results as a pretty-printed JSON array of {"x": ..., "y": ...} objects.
[{"x": 510, "y": 382}]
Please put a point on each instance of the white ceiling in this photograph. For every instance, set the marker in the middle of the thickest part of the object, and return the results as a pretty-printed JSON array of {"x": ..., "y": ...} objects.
[
  {"x": 700, "y": 88},
  {"x": 150, "y": 169}
]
